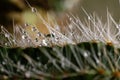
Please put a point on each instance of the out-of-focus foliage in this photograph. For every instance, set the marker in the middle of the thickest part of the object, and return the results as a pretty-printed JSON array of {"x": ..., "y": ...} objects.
[
  {"x": 10, "y": 8},
  {"x": 6, "y": 8}
]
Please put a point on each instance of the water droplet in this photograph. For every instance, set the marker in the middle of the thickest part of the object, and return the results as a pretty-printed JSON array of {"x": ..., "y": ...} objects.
[
  {"x": 89, "y": 18},
  {"x": 7, "y": 35},
  {"x": 22, "y": 67},
  {"x": 38, "y": 34},
  {"x": 85, "y": 54},
  {"x": 34, "y": 10},
  {"x": 71, "y": 26},
  {"x": 56, "y": 39},
  {"x": 6, "y": 44},
  {"x": 53, "y": 34},
  {"x": 14, "y": 40},
  {"x": 71, "y": 34},
  {"x": 24, "y": 37},
  {"x": 26, "y": 24},
  {"x": 28, "y": 74},
  {"x": 3, "y": 63},
  {"x": 2, "y": 69},
  {"x": 44, "y": 42},
  {"x": 40, "y": 45},
  {"x": 97, "y": 61},
  {"x": 34, "y": 29},
  {"x": 99, "y": 54},
  {"x": 117, "y": 26},
  {"x": 50, "y": 35},
  {"x": 24, "y": 32},
  {"x": 70, "y": 19},
  {"x": 36, "y": 39},
  {"x": 2, "y": 27}
]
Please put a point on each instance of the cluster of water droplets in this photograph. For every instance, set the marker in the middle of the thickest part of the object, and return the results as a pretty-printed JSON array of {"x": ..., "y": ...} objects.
[
  {"x": 22, "y": 37},
  {"x": 76, "y": 31}
]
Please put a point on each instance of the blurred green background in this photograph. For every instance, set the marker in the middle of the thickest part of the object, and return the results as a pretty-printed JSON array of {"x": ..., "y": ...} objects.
[{"x": 18, "y": 11}]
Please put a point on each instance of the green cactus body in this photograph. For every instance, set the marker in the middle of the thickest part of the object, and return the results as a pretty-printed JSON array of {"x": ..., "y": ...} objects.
[{"x": 86, "y": 61}]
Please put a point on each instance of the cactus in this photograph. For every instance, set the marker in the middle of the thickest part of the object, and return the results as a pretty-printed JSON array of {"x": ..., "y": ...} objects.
[
  {"x": 79, "y": 51},
  {"x": 85, "y": 60}
]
